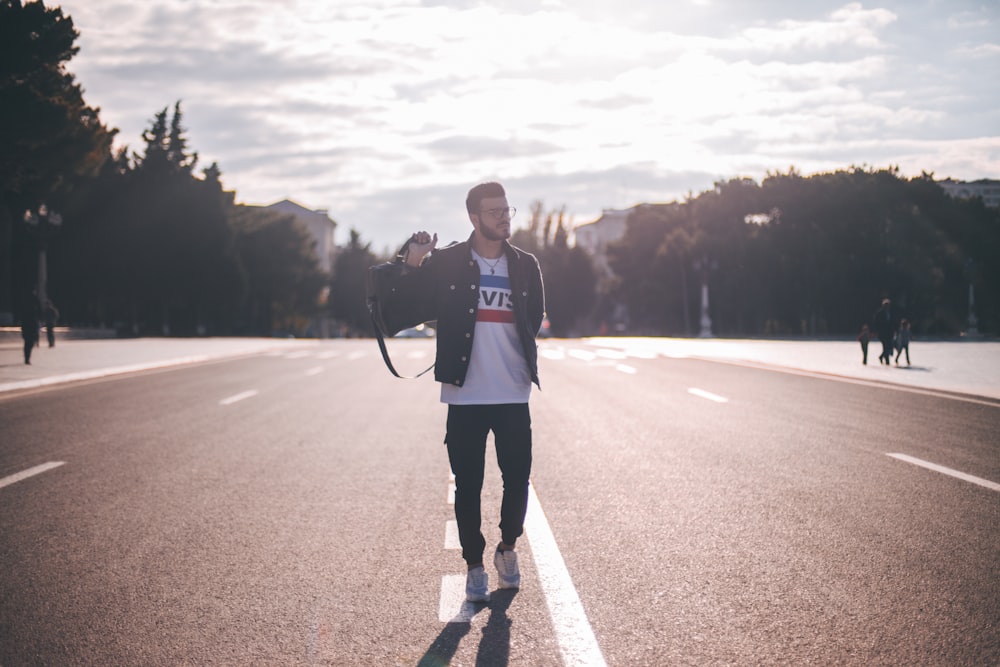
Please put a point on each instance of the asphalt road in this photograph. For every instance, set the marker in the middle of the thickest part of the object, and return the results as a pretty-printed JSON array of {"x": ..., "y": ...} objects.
[{"x": 292, "y": 507}]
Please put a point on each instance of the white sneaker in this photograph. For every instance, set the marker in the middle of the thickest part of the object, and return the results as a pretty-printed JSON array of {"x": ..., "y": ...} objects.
[
  {"x": 477, "y": 585},
  {"x": 510, "y": 574}
]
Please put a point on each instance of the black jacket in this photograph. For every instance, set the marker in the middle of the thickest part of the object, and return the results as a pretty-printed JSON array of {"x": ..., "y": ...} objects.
[{"x": 448, "y": 284}]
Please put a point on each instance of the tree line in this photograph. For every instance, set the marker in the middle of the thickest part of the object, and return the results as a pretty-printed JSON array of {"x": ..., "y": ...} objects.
[
  {"x": 149, "y": 244},
  {"x": 796, "y": 255}
]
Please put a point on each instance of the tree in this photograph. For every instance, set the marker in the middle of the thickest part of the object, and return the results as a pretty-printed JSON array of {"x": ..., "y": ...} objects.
[
  {"x": 49, "y": 137},
  {"x": 347, "y": 292}
]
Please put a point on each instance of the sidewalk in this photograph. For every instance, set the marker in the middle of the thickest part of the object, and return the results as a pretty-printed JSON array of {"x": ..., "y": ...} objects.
[
  {"x": 72, "y": 360},
  {"x": 967, "y": 367},
  {"x": 961, "y": 366}
]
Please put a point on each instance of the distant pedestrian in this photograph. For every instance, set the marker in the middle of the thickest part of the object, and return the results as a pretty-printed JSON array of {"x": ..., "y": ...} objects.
[
  {"x": 903, "y": 341},
  {"x": 51, "y": 317},
  {"x": 29, "y": 328},
  {"x": 863, "y": 338},
  {"x": 882, "y": 320}
]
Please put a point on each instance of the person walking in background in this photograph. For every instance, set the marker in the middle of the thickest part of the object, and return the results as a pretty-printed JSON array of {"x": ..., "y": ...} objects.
[
  {"x": 488, "y": 299},
  {"x": 29, "y": 326},
  {"x": 863, "y": 338},
  {"x": 903, "y": 340},
  {"x": 882, "y": 320},
  {"x": 51, "y": 316}
]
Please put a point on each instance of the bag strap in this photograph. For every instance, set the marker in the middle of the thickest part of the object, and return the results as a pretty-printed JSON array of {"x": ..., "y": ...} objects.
[
  {"x": 400, "y": 257},
  {"x": 385, "y": 356}
]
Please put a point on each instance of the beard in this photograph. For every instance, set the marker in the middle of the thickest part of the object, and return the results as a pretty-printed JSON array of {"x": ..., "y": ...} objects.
[{"x": 491, "y": 234}]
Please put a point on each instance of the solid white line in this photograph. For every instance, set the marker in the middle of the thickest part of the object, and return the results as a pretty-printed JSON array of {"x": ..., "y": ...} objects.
[
  {"x": 574, "y": 635},
  {"x": 238, "y": 397},
  {"x": 710, "y": 396},
  {"x": 947, "y": 471},
  {"x": 30, "y": 472}
]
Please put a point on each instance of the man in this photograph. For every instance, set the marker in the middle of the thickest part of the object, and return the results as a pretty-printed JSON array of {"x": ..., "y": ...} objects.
[
  {"x": 488, "y": 299},
  {"x": 882, "y": 320}
]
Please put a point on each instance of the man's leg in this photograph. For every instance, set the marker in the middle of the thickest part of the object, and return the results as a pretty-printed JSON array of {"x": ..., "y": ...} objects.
[
  {"x": 512, "y": 431},
  {"x": 466, "y": 440}
]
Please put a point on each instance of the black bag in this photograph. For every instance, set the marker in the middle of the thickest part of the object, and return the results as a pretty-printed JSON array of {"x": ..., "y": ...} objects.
[{"x": 393, "y": 303}]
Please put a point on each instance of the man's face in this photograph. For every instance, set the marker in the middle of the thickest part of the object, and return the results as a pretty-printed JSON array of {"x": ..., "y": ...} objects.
[{"x": 493, "y": 219}]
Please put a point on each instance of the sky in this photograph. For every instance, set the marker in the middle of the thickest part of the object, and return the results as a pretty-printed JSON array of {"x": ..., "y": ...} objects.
[{"x": 385, "y": 112}]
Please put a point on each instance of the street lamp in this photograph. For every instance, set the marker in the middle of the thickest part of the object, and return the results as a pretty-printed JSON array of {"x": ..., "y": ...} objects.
[
  {"x": 973, "y": 329},
  {"x": 43, "y": 224},
  {"x": 704, "y": 266}
]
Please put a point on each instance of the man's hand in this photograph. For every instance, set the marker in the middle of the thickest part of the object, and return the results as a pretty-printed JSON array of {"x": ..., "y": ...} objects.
[{"x": 421, "y": 244}]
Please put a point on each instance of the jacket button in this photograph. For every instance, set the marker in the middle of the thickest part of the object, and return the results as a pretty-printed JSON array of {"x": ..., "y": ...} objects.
[
  {"x": 465, "y": 358},
  {"x": 453, "y": 287},
  {"x": 472, "y": 310},
  {"x": 468, "y": 335},
  {"x": 524, "y": 294},
  {"x": 458, "y": 382},
  {"x": 472, "y": 287}
]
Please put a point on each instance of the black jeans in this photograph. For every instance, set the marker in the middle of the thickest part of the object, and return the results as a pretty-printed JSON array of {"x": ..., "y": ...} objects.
[{"x": 468, "y": 427}]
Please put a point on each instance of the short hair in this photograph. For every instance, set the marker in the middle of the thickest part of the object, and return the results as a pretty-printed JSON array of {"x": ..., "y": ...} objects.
[{"x": 481, "y": 192}]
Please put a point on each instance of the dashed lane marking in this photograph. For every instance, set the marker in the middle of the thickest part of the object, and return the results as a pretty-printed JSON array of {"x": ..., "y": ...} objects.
[
  {"x": 947, "y": 471},
  {"x": 316, "y": 370},
  {"x": 451, "y": 540},
  {"x": 707, "y": 394},
  {"x": 30, "y": 472},
  {"x": 238, "y": 397},
  {"x": 453, "y": 607}
]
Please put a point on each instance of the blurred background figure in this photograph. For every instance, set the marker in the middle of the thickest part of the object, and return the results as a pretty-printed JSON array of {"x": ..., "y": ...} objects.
[
  {"x": 863, "y": 338},
  {"x": 51, "y": 316},
  {"x": 29, "y": 326},
  {"x": 903, "y": 341}
]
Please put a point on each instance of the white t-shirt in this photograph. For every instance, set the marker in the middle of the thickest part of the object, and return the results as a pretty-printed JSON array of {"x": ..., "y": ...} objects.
[{"x": 497, "y": 370}]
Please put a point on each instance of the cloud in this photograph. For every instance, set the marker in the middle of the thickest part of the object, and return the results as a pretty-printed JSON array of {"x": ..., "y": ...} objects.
[{"x": 387, "y": 111}]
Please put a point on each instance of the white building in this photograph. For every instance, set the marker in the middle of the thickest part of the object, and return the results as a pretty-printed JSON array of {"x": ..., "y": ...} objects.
[
  {"x": 594, "y": 237},
  {"x": 319, "y": 224},
  {"x": 988, "y": 189}
]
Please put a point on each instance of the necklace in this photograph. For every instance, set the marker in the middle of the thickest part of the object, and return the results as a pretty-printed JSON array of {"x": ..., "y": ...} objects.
[{"x": 493, "y": 265}]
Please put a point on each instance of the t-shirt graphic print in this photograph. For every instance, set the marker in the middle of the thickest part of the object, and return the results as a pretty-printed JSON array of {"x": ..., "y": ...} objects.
[{"x": 497, "y": 371}]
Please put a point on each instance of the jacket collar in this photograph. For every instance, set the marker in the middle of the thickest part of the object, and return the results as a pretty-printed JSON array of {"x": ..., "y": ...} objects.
[{"x": 509, "y": 250}]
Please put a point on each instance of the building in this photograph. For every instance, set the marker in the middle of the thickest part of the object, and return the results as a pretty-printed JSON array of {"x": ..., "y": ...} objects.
[
  {"x": 319, "y": 224},
  {"x": 594, "y": 237},
  {"x": 988, "y": 190}
]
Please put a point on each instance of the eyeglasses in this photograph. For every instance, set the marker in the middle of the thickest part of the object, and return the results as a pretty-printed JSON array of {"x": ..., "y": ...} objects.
[{"x": 501, "y": 213}]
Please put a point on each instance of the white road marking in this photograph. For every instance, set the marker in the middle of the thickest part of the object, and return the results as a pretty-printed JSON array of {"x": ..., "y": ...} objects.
[
  {"x": 583, "y": 355},
  {"x": 316, "y": 370},
  {"x": 30, "y": 472},
  {"x": 356, "y": 355},
  {"x": 625, "y": 368},
  {"x": 238, "y": 397},
  {"x": 453, "y": 607},
  {"x": 329, "y": 354},
  {"x": 610, "y": 354},
  {"x": 451, "y": 540},
  {"x": 417, "y": 354},
  {"x": 947, "y": 471},
  {"x": 710, "y": 396},
  {"x": 297, "y": 355},
  {"x": 575, "y": 637}
]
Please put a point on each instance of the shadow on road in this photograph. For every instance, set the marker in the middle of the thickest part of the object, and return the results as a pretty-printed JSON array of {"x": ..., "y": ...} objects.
[{"x": 494, "y": 647}]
